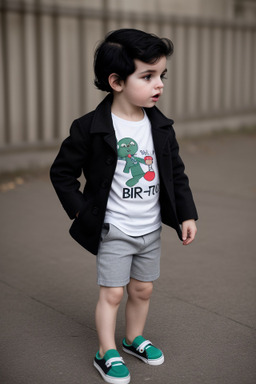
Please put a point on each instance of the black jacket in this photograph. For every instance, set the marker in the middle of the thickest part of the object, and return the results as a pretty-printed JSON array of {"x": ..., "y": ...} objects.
[{"x": 91, "y": 149}]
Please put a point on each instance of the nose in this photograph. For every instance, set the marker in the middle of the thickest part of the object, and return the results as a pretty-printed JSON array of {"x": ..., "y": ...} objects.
[{"x": 160, "y": 83}]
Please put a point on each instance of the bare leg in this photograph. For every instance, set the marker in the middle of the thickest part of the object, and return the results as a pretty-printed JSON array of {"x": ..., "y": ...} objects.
[
  {"x": 105, "y": 316},
  {"x": 137, "y": 307}
]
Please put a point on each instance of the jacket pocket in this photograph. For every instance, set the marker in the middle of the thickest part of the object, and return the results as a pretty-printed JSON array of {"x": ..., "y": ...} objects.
[{"x": 86, "y": 220}]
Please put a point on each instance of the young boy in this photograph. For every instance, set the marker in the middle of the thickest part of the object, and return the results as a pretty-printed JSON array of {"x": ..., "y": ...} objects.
[{"x": 135, "y": 180}]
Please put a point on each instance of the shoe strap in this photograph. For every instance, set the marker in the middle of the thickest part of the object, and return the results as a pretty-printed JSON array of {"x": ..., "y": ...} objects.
[
  {"x": 143, "y": 345},
  {"x": 114, "y": 360}
]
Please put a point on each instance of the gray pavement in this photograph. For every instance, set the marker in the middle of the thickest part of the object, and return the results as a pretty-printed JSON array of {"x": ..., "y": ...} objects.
[{"x": 203, "y": 310}]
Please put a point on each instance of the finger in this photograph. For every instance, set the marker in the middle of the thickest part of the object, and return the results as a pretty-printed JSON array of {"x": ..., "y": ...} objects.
[
  {"x": 184, "y": 233},
  {"x": 187, "y": 241},
  {"x": 190, "y": 237}
]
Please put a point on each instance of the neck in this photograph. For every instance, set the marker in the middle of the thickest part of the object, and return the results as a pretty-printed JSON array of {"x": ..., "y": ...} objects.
[{"x": 126, "y": 112}]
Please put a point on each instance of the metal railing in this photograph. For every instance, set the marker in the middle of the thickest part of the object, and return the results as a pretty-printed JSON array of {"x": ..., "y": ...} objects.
[{"x": 46, "y": 72}]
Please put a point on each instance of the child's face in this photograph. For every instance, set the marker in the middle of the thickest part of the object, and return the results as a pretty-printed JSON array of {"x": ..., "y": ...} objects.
[{"x": 144, "y": 87}]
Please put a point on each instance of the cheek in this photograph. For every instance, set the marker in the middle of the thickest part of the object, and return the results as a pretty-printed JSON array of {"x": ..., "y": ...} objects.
[
  {"x": 138, "y": 92},
  {"x": 134, "y": 94},
  {"x": 135, "y": 87}
]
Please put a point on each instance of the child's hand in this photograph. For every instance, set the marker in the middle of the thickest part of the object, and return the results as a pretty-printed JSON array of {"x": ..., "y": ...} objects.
[{"x": 188, "y": 231}]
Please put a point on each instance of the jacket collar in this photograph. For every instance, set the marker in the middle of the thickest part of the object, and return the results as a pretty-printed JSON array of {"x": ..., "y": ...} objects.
[
  {"x": 158, "y": 119},
  {"x": 160, "y": 129},
  {"x": 102, "y": 123},
  {"x": 102, "y": 120}
]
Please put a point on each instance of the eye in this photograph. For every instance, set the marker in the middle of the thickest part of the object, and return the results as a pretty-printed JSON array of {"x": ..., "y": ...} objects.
[
  {"x": 123, "y": 145},
  {"x": 132, "y": 143},
  {"x": 163, "y": 76},
  {"x": 147, "y": 77}
]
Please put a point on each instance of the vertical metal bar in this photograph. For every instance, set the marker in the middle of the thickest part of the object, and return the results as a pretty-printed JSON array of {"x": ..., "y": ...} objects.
[
  {"x": 222, "y": 69},
  {"x": 253, "y": 71},
  {"x": 6, "y": 85},
  {"x": 186, "y": 71},
  {"x": 211, "y": 70},
  {"x": 39, "y": 54},
  {"x": 232, "y": 69},
  {"x": 56, "y": 79},
  {"x": 241, "y": 84},
  {"x": 199, "y": 61},
  {"x": 82, "y": 64},
  {"x": 24, "y": 81},
  {"x": 237, "y": 69},
  {"x": 228, "y": 68},
  {"x": 174, "y": 74}
]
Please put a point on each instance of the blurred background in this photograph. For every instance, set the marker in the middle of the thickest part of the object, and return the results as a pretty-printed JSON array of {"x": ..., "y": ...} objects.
[{"x": 46, "y": 67}]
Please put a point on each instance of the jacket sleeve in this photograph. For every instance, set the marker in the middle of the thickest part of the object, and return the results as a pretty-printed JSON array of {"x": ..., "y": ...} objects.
[
  {"x": 67, "y": 168},
  {"x": 185, "y": 206}
]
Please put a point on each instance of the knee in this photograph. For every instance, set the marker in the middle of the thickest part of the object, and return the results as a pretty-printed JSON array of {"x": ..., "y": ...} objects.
[
  {"x": 112, "y": 296},
  {"x": 140, "y": 290}
]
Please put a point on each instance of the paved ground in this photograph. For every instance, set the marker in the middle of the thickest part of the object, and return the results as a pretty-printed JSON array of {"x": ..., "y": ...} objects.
[{"x": 203, "y": 311}]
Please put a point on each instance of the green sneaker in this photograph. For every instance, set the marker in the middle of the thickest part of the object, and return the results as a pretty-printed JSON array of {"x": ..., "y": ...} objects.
[
  {"x": 144, "y": 350},
  {"x": 112, "y": 367}
]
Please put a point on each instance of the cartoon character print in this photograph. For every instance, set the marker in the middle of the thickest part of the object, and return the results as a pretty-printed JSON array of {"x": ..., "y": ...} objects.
[{"x": 127, "y": 149}]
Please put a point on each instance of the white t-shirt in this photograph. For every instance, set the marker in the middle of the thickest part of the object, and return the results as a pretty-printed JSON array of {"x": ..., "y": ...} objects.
[{"x": 133, "y": 204}]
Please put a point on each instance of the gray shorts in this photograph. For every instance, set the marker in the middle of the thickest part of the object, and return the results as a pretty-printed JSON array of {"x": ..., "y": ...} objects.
[{"x": 122, "y": 257}]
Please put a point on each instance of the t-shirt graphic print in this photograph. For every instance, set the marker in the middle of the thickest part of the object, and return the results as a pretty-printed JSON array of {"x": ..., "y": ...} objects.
[{"x": 127, "y": 149}]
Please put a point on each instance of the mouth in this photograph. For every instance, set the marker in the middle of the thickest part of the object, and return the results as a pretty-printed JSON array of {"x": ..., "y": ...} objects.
[{"x": 156, "y": 97}]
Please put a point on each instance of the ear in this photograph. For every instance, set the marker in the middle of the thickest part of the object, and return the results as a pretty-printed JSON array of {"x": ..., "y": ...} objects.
[{"x": 115, "y": 82}]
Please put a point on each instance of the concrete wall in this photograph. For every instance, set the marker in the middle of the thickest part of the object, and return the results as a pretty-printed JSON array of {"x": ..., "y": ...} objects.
[{"x": 47, "y": 55}]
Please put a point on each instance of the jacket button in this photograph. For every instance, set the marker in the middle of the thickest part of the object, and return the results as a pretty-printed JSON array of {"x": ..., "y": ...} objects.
[{"x": 95, "y": 211}]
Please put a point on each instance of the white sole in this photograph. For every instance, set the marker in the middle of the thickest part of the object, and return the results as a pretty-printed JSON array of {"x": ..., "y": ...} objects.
[
  {"x": 112, "y": 380},
  {"x": 158, "y": 361}
]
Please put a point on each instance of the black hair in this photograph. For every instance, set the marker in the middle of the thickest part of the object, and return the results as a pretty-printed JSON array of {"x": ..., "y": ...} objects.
[{"x": 116, "y": 54}]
